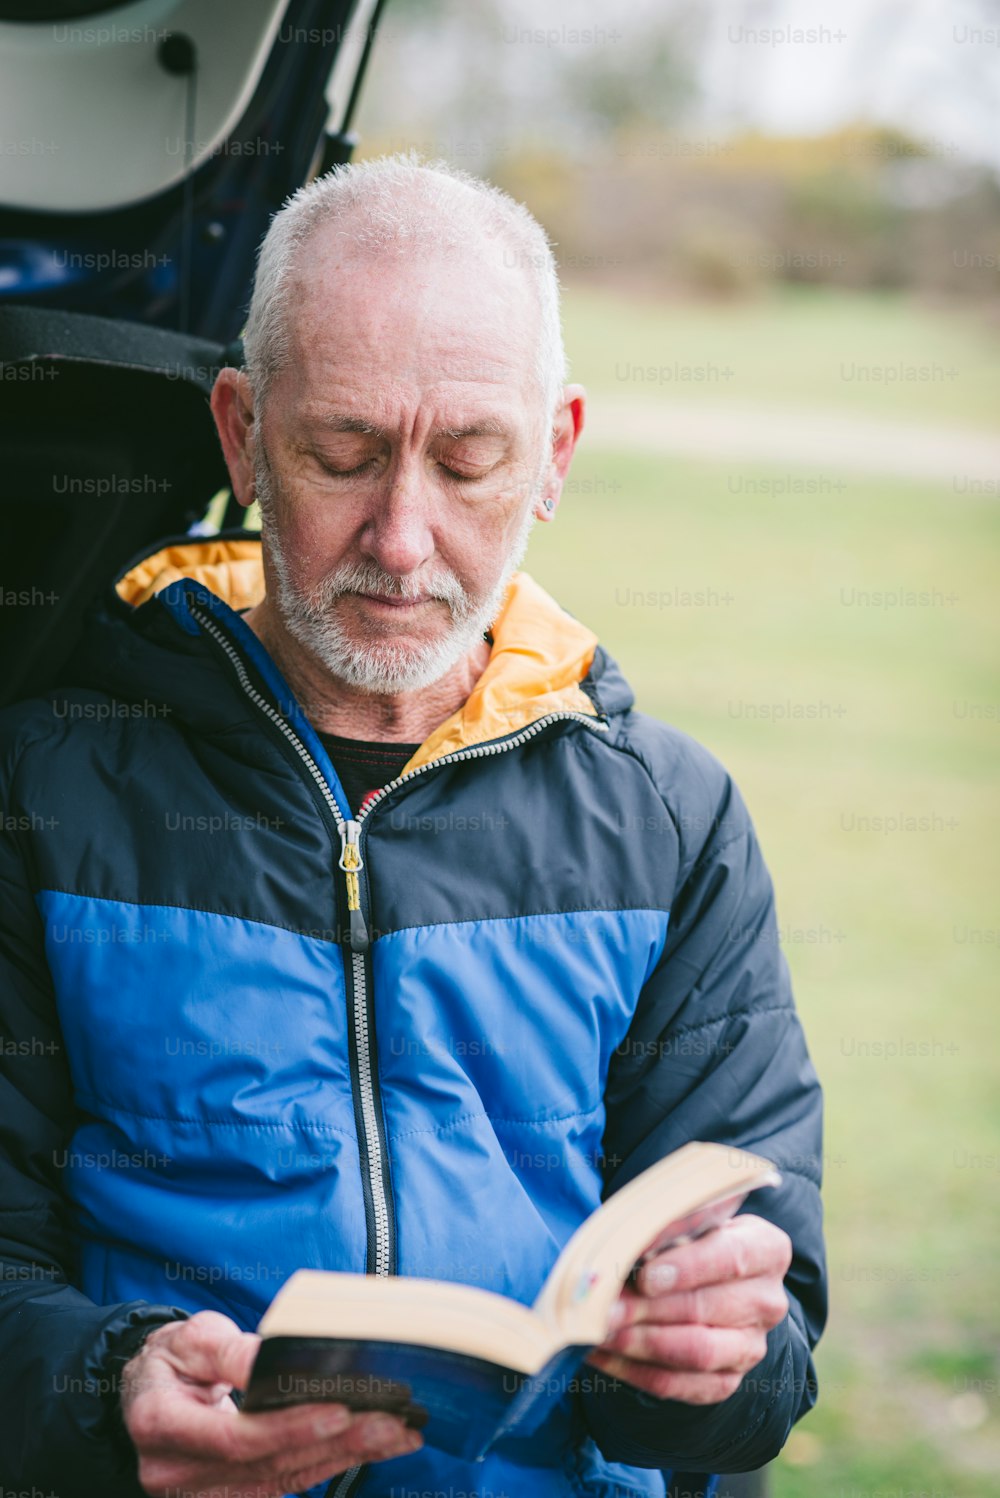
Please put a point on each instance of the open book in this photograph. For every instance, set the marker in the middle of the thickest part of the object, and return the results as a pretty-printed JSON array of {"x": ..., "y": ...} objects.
[{"x": 468, "y": 1366}]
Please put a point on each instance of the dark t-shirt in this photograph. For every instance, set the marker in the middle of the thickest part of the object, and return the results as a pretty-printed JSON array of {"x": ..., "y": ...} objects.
[{"x": 363, "y": 765}]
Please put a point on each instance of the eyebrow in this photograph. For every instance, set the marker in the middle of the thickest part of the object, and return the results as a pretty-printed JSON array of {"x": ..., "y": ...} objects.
[
  {"x": 338, "y": 423},
  {"x": 488, "y": 426}
]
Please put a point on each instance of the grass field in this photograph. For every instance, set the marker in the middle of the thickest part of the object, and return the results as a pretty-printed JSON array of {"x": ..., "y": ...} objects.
[
  {"x": 864, "y": 734},
  {"x": 874, "y": 355}
]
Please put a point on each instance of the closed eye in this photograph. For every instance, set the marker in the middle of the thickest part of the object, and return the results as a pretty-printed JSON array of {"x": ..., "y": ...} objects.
[
  {"x": 464, "y": 478},
  {"x": 348, "y": 473}
]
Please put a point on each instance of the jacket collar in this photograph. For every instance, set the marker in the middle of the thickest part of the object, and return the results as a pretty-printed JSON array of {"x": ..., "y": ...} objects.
[{"x": 539, "y": 657}]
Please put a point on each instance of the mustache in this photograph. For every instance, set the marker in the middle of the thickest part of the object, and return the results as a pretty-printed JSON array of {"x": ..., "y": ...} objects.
[{"x": 369, "y": 577}]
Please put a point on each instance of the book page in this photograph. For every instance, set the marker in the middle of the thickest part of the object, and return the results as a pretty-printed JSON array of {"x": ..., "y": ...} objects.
[
  {"x": 430, "y": 1313},
  {"x": 681, "y": 1196}
]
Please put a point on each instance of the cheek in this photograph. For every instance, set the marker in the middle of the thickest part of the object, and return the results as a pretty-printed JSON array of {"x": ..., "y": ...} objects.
[
  {"x": 477, "y": 545},
  {"x": 314, "y": 538}
]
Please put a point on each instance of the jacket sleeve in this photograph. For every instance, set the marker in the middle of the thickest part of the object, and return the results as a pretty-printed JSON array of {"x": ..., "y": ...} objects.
[
  {"x": 60, "y": 1429},
  {"x": 716, "y": 1052}
]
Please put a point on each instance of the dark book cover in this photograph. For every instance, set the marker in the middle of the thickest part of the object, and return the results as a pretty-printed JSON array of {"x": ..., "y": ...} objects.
[{"x": 462, "y": 1404}]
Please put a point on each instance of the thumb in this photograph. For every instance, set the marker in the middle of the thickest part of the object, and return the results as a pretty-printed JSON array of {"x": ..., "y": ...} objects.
[
  {"x": 235, "y": 1358},
  {"x": 209, "y": 1348}
]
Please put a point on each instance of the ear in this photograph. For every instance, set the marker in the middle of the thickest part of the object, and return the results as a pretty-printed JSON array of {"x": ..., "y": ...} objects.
[
  {"x": 566, "y": 428},
  {"x": 232, "y": 408}
]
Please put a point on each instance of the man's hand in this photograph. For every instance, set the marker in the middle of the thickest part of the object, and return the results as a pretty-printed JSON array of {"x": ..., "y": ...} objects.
[
  {"x": 698, "y": 1319},
  {"x": 189, "y": 1434}
]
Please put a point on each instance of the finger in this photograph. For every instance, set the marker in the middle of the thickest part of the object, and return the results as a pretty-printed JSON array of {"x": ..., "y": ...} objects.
[
  {"x": 742, "y": 1248},
  {"x": 355, "y": 1434},
  {"x": 757, "y": 1302},
  {"x": 183, "y": 1427},
  {"x": 693, "y": 1349},
  {"x": 374, "y": 1437},
  {"x": 369, "y": 1436},
  {"x": 666, "y": 1383}
]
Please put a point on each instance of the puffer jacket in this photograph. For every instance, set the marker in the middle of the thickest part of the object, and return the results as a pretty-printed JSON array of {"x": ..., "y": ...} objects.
[{"x": 245, "y": 1032}]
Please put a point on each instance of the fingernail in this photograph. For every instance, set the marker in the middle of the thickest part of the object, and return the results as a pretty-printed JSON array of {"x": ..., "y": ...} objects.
[
  {"x": 332, "y": 1423},
  {"x": 381, "y": 1428},
  {"x": 617, "y": 1317},
  {"x": 659, "y": 1278}
]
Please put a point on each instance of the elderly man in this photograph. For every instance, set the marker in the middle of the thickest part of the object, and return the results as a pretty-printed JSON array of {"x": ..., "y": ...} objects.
[{"x": 354, "y": 919}]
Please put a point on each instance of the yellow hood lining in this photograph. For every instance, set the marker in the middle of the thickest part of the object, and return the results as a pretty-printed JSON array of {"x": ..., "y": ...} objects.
[{"x": 231, "y": 569}]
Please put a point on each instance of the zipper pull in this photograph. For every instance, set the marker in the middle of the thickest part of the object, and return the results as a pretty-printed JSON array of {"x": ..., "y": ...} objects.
[{"x": 350, "y": 862}]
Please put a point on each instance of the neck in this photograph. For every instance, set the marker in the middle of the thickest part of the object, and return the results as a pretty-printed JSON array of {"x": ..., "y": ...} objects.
[{"x": 332, "y": 706}]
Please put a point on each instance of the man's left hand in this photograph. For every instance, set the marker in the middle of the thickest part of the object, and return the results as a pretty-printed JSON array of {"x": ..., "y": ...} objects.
[{"x": 697, "y": 1320}]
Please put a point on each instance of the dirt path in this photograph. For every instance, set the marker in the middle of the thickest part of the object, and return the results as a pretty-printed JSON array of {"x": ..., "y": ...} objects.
[{"x": 967, "y": 460}]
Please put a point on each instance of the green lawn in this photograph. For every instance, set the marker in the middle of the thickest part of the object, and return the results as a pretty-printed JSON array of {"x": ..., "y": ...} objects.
[
  {"x": 877, "y": 356},
  {"x": 832, "y": 713}
]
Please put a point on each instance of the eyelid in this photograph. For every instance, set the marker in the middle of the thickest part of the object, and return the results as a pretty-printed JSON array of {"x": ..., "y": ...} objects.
[
  {"x": 370, "y": 462},
  {"x": 346, "y": 473},
  {"x": 465, "y": 478},
  {"x": 479, "y": 467}
]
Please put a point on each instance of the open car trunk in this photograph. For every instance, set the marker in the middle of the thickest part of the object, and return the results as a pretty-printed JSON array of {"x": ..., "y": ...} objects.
[{"x": 123, "y": 288}]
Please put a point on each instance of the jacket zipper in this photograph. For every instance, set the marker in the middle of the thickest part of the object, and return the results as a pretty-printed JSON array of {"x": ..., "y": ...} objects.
[
  {"x": 351, "y": 861},
  {"x": 371, "y": 1139}
]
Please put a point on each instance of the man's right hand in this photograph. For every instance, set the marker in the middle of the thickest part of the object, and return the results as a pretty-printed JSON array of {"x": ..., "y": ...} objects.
[{"x": 189, "y": 1434}]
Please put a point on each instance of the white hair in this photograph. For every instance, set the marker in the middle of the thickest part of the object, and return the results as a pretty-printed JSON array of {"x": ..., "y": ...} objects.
[{"x": 399, "y": 203}]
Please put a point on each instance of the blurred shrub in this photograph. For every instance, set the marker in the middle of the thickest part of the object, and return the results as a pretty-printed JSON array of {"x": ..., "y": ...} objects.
[{"x": 865, "y": 208}]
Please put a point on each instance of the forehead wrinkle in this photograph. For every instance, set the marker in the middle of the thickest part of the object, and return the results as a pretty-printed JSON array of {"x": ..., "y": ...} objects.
[{"x": 340, "y": 422}]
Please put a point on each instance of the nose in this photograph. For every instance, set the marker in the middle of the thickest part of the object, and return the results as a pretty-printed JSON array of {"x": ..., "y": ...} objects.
[{"x": 398, "y": 532}]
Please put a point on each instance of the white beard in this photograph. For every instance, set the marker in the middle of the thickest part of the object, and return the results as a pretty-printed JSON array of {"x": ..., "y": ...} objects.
[{"x": 381, "y": 666}]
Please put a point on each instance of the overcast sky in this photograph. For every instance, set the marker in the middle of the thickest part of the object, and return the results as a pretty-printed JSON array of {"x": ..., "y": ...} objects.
[{"x": 931, "y": 66}]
